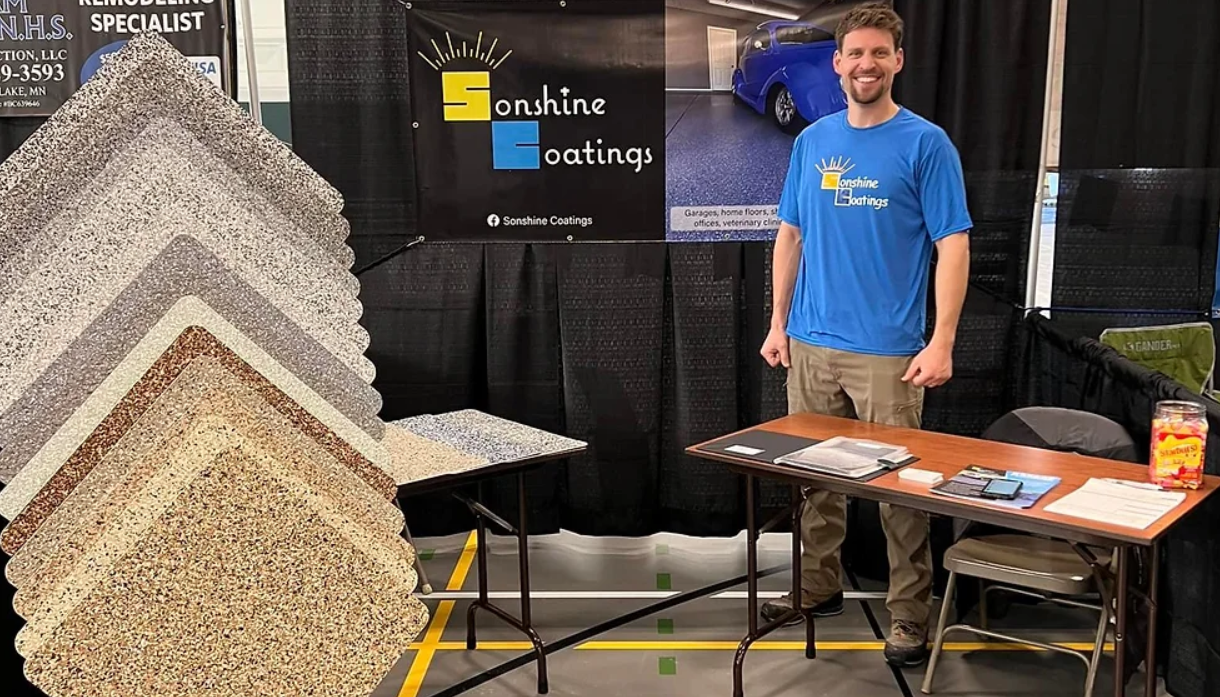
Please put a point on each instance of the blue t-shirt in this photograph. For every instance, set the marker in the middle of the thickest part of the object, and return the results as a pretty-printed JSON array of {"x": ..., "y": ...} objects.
[{"x": 870, "y": 203}]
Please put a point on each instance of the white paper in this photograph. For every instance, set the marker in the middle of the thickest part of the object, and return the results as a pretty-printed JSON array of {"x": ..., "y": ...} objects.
[
  {"x": 1127, "y": 504},
  {"x": 743, "y": 450}
]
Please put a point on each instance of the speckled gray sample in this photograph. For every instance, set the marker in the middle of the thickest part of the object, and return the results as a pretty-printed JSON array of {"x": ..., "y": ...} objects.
[
  {"x": 420, "y": 458},
  {"x": 205, "y": 389},
  {"x": 492, "y": 449},
  {"x": 102, "y": 252},
  {"x": 496, "y": 428},
  {"x": 187, "y": 313},
  {"x": 245, "y": 584},
  {"x": 184, "y": 268},
  {"x": 149, "y": 79}
]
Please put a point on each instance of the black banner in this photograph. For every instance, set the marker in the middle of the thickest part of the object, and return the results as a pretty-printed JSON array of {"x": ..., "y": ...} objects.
[
  {"x": 539, "y": 120},
  {"x": 49, "y": 48}
]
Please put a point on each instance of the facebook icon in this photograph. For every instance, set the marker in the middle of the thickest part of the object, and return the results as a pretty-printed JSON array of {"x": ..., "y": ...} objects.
[{"x": 514, "y": 145}]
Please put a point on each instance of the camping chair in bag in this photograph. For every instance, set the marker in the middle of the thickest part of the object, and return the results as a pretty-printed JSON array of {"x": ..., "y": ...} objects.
[{"x": 1029, "y": 565}]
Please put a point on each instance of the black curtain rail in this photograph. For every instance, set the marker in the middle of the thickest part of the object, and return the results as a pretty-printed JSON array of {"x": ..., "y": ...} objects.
[{"x": 388, "y": 257}]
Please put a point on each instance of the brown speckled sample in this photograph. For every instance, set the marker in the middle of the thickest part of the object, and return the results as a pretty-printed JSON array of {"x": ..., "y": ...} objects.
[
  {"x": 184, "y": 268},
  {"x": 149, "y": 79},
  {"x": 194, "y": 342},
  {"x": 244, "y": 585},
  {"x": 204, "y": 388},
  {"x": 424, "y": 459},
  {"x": 101, "y": 250}
]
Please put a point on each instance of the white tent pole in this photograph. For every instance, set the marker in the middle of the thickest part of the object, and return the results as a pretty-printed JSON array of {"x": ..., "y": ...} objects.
[
  {"x": 1035, "y": 235},
  {"x": 247, "y": 25}
]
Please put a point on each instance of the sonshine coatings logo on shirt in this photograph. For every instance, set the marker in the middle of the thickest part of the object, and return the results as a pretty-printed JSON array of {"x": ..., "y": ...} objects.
[
  {"x": 516, "y": 130},
  {"x": 853, "y": 192}
]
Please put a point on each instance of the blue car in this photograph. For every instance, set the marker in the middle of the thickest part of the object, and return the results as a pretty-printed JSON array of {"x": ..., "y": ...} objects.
[{"x": 787, "y": 71}]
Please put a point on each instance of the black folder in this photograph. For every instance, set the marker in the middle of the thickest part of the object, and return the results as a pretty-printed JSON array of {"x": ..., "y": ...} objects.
[{"x": 759, "y": 445}]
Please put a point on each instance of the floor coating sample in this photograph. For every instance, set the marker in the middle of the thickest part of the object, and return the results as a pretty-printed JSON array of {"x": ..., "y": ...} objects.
[
  {"x": 494, "y": 427},
  {"x": 434, "y": 428},
  {"x": 146, "y": 80},
  {"x": 422, "y": 459},
  {"x": 204, "y": 388},
  {"x": 102, "y": 252},
  {"x": 184, "y": 268},
  {"x": 187, "y": 332},
  {"x": 241, "y": 584}
]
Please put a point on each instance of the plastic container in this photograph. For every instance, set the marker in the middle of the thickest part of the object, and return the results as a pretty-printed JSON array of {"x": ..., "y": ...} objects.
[{"x": 1179, "y": 443}]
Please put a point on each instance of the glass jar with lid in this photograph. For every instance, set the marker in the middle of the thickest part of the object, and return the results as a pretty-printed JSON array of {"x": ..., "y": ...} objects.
[{"x": 1179, "y": 443}]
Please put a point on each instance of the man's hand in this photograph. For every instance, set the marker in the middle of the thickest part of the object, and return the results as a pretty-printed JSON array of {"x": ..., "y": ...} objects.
[
  {"x": 775, "y": 348},
  {"x": 932, "y": 367}
]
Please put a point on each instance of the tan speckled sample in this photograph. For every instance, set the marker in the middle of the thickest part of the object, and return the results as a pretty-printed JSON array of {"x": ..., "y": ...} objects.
[
  {"x": 102, "y": 249},
  {"x": 193, "y": 342},
  {"x": 423, "y": 458},
  {"x": 205, "y": 387},
  {"x": 187, "y": 312},
  {"x": 149, "y": 79},
  {"x": 189, "y": 450},
  {"x": 184, "y": 268},
  {"x": 244, "y": 585}
]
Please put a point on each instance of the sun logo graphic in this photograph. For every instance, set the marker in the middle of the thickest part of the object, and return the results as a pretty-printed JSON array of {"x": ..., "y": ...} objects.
[
  {"x": 834, "y": 178},
  {"x": 466, "y": 96}
]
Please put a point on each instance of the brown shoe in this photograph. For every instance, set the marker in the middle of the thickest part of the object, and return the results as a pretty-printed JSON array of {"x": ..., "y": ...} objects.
[{"x": 907, "y": 645}]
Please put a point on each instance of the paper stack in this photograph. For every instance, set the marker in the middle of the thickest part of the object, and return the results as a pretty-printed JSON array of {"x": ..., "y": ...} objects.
[{"x": 846, "y": 457}]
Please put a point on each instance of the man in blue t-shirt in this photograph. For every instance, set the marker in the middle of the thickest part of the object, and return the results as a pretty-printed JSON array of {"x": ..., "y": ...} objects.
[{"x": 870, "y": 192}]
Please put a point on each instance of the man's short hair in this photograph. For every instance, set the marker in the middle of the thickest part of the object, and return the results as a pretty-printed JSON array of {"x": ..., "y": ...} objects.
[{"x": 873, "y": 15}]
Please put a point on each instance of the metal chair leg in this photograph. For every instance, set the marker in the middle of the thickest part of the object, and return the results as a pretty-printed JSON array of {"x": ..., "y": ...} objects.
[
  {"x": 1103, "y": 629},
  {"x": 939, "y": 644}
]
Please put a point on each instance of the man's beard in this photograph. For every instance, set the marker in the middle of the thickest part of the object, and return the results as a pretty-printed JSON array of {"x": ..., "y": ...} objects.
[{"x": 859, "y": 98}]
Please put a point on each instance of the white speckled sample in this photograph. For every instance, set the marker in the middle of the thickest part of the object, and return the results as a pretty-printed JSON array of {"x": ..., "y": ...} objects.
[
  {"x": 206, "y": 390},
  {"x": 191, "y": 345},
  {"x": 236, "y": 583},
  {"x": 426, "y": 459},
  {"x": 147, "y": 80},
  {"x": 205, "y": 387},
  {"x": 103, "y": 248},
  {"x": 190, "y": 311},
  {"x": 496, "y": 440},
  {"x": 184, "y": 268}
]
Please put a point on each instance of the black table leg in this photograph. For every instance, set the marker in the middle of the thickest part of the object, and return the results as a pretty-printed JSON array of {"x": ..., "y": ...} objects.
[
  {"x": 1122, "y": 597},
  {"x": 755, "y": 632},
  {"x": 1150, "y": 656},
  {"x": 525, "y": 624},
  {"x": 811, "y": 650}
]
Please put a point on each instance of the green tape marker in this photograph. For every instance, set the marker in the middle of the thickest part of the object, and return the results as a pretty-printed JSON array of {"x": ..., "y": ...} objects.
[
  {"x": 663, "y": 582},
  {"x": 662, "y": 549},
  {"x": 668, "y": 665},
  {"x": 426, "y": 554},
  {"x": 665, "y": 626}
]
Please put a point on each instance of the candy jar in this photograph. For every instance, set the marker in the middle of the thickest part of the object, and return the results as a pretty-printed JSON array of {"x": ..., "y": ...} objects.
[{"x": 1179, "y": 442}]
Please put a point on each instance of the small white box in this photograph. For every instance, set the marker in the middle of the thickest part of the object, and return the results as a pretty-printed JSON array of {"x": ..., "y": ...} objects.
[{"x": 928, "y": 477}]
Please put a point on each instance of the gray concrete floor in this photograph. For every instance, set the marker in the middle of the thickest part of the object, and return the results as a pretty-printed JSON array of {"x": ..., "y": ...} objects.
[{"x": 578, "y": 582}]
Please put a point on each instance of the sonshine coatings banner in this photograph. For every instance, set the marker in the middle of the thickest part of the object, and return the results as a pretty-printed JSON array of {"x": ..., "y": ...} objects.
[
  {"x": 539, "y": 120},
  {"x": 49, "y": 48}
]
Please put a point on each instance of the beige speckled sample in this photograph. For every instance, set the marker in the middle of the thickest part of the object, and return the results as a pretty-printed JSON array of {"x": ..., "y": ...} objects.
[
  {"x": 184, "y": 268},
  {"x": 188, "y": 451},
  {"x": 189, "y": 311},
  {"x": 204, "y": 388},
  {"x": 244, "y": 584},
  {"x": 149, "y": 79},
  {"x": 134, "y": 402},
  {"x": 102, "y": 250},
  {"x": 422, "y": 458}
]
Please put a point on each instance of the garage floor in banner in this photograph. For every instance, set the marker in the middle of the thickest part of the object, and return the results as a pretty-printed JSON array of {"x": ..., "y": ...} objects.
[
  {"x": 578, "y": 582},
  {"x": 720, "y": 152}
]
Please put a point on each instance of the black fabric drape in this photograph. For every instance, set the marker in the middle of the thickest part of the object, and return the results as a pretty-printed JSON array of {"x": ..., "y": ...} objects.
[{"x": 1140, "y": 84}]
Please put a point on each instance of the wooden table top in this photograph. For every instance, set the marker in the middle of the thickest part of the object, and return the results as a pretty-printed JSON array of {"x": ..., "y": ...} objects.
[{"x": 948, "y": 455}]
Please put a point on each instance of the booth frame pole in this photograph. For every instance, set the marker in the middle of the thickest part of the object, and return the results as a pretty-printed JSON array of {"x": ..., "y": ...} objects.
[
  {"x": 247, "y": 30},
  {"x": 1035, "y": 234}
]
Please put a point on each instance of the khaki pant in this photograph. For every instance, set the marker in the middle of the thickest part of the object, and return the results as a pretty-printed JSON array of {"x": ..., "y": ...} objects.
[{"x": 870, "y": 388}]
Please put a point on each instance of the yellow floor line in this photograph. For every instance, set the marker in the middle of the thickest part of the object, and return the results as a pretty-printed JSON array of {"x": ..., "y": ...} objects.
[
  {"x": 732, "y": 646},
  {"x": 432, "y": 639}
]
